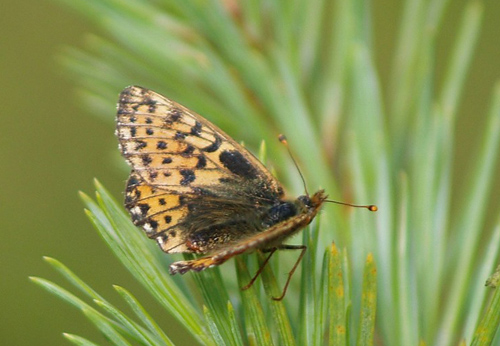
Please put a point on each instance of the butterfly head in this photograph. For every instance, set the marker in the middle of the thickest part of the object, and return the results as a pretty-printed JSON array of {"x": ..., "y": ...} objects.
[{"x": 312, "y": 202}]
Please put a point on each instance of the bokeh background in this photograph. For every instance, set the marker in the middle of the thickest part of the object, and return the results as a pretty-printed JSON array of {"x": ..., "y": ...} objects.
[{"x": 51, "y": 147}]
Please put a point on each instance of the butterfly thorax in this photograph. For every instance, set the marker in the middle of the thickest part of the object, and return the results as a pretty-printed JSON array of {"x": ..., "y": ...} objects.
[
  {"x": 287, "y": 209},
  {"x": 291, "y": 217}
]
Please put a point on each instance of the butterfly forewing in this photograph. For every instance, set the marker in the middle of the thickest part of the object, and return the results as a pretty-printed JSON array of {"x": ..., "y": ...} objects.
[{"x": 189, "y": 180}]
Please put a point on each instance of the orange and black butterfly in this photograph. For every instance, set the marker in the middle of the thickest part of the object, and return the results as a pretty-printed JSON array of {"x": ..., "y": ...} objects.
[{"x": 195, "y": 190}]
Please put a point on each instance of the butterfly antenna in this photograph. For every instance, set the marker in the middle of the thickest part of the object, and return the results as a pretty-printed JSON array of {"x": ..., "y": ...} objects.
[
  {"x": 283, "y": 140},
  {"x": 371, "y": 207}
]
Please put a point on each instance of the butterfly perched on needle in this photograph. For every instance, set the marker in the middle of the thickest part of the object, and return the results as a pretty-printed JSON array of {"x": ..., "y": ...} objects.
[{"x": 195, "y": 190}]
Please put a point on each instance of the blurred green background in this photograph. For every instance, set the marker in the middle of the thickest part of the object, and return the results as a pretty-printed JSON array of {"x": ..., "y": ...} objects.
[{"x": 51, "y": 148}]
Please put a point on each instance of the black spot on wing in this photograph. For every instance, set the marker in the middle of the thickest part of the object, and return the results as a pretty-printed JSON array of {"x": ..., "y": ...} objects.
[
  {"x": 235, "y": 162},
  {"x": 152, "y": 106},
  {"x": 179, "y": 135},
  {"x": 188, "y": 176},
  {"x": 196, "y": 129},
  {"x": 175, "y": 114},
  {"x": 153, "y": 224},
  {"x": 202, "y": 162},
  {"x": 146, "y": 160},
  {"x": 132, "y": 181},
  {"x": 161, "y": 145},
  {"x": 151, "y": 103},
  {"x": 144, "y": 207},
  {"x": 188, "y": 152},
  {"x": 140, "y": 145},
  {"x": 214, "y": 146},
  {"x": 129, "y": 200}
]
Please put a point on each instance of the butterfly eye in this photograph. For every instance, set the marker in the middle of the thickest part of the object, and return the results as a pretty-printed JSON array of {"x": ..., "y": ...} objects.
[{"x": 305, "y": 200}]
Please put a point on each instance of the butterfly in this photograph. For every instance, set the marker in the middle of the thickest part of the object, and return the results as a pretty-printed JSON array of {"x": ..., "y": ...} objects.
[{"x": 194, "y": 189}]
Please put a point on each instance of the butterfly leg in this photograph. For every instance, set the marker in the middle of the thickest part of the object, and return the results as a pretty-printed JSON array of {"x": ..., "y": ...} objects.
[
  {"x": 272, "y": 251},
  {"x": 303, "y": 249}
]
